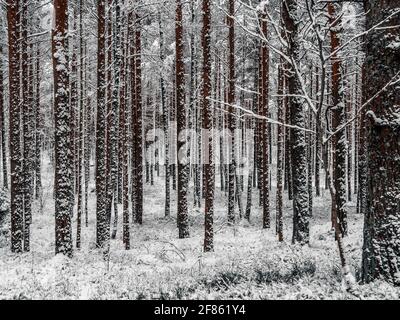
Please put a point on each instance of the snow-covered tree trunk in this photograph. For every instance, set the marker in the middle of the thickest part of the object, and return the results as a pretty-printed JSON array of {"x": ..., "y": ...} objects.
[
  {"x": 264, "y": 108},
  {"x": 339, "y": 142},
  {"x": 26, "y": 127},
  {"x": 381, "y": 251},
  {"x": 87, "y": 140},
  {"x": 124, "y": 152},
  {"x": 183, "y": 162},
  {"x": 2, "y": 124},
  {"x": 80, "y": 142},
  {"x": 209, "y": 174},
  {"x": 101, "y": 124},
  {"x": 112, "y": 120},
  {"x": 318, "y": 147},
  {"x": 362, "y": 150},
  {"x": 38, "y": 130},
  {"x": 280, "y": 149},
  {"x": 74, "y": 106},
  {"x": 138, "y": 125},
  {"x": 231, "y": 116},
  {"x": 165, "y": 116},
  {"x": 297, "y": 114},
  {"x": 63, "y": 167}
]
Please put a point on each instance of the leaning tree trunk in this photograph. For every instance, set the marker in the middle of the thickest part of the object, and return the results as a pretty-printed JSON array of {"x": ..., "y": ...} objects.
[{"x": 381, "y": 251}]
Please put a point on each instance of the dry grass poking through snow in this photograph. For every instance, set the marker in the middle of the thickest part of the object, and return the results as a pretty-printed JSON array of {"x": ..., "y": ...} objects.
[{"x": 248, "y": 263}]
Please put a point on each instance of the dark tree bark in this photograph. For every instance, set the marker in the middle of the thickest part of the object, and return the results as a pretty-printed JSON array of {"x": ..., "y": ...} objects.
[
  {"x": 165, "y": 115},
  {"x": 38, "y": 130},
  {"x": 87, "y": 142},
  {"x": 318, "y": 155},
  {"x": 13, "y": 17},
  {"x": 381, "y": 250},
  {"x": 138, "y": 125},
  {"x": 101, "y": 148},
  {"x": 264, "y": 134},
  {"x": 26, "y": 127},
  {"x": 207, "y": 127},
  {"x": 183, "y": 161},
  {"x": 63, "y": 167},
  {"x": 124, "y": 124},
  {"x": 339, "y": 144},
  {"x": 231, "y": 111},
  {"x": 2, "y": 124},
  {"x": 80, "y": 145},
  {"x": 280, "y": 159},
  {"x": 297, "y": 114}
]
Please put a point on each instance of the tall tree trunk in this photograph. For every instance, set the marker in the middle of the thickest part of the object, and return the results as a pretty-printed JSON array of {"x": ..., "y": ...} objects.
[
  {"x": 14, "y": 58},
  {"x": 38, "y": 130},
  {"x": 63, "y": 167},
  {"x": 231, "y": 111},
  {"x": 264, "y": 134},
  {"x": 165, "y": 115},
  {"x": 339, "y": 145},
  {"x": 138, "y": 136},
  {"x": 124, "y": 124},
  {"x": 87, "y": 141},
  {"x": 280, "y": 159},
  {"x": 301, "y": 216},
  {"x": 318, "y": 155},
  {"x": 207, "y": 127},
  {"x": 2, "y": 125},
  {"x": 101, "y": 148},
  {"x": 183, "y": 162},
  {"x": 80, "y": 129},
  {"x": 381, "y": 250},
  {"x": 27, "y": 132}
]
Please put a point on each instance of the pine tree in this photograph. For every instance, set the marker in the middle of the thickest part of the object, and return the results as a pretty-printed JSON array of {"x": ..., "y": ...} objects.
[
  {"x": 101, "y": 164},
  {"x": 297, "y": 116},
  {"x": 2, "y": 124},
  {"x": 280, "y": 149},
  {"x": 80, "y": 129},
  {"x": 339, "y": 144},
  {"x": 264, "y": 108},
  {"x": 165, "y": 117},
  {"x": 231, "y": 111},
  {"x": 138, "y": 124},
  {"x": 381, "y": 250},
  {"x": 14, "y": 58},
  {"x": 207, "y": 127},
  {"x": 183, "y": 161},
  {"x": 38, "y": 130}
]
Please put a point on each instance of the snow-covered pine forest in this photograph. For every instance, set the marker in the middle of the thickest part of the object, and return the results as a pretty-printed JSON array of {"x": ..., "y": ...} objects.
[{"x": 199, "y": 149}]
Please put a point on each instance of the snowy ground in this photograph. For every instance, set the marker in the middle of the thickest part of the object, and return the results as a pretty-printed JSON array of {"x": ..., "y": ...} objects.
[{"x": 248, "y": 262}]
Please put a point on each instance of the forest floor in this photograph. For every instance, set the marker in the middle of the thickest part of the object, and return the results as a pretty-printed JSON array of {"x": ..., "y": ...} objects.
[{"x": 248, "y": 262}]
